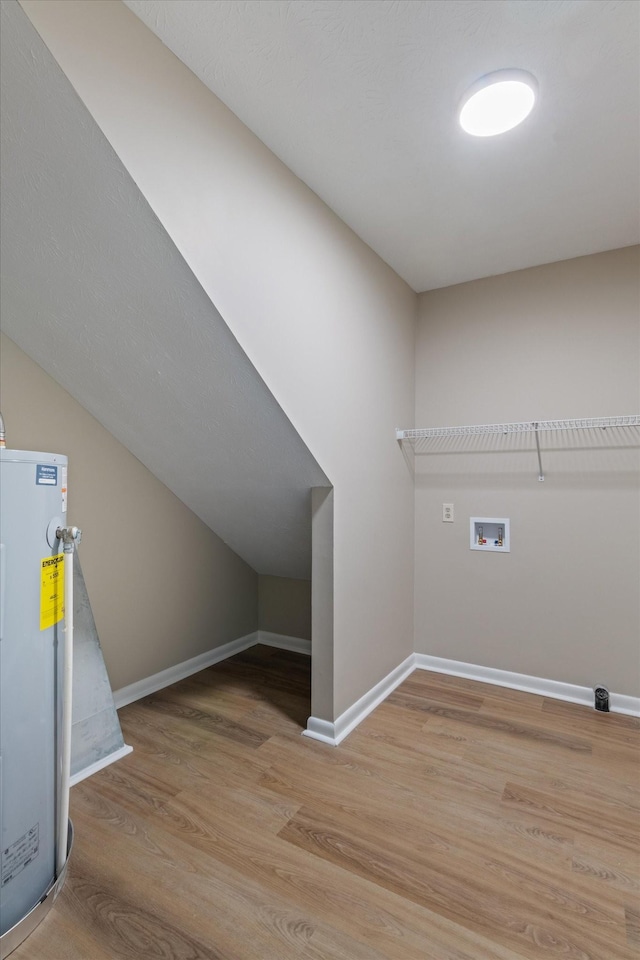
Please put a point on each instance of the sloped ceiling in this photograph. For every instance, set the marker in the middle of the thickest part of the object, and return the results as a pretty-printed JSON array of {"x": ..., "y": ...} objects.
[
  {"x": 359, "y": 100},
  {"x": 94, "y": 290}
]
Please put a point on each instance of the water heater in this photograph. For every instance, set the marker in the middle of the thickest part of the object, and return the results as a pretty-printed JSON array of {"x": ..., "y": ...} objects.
[{"x": 33, "y": 491}]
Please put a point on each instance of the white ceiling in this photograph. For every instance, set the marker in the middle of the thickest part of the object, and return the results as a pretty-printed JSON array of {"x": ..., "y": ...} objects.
[
  {"x": 359, "y": 100},
  {"x": 94, "y": 290}
]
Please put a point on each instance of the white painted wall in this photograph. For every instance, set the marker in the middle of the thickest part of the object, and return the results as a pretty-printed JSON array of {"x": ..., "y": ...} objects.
[
  {"x": 284, "y": 606},
  {"x": 553, "y": 342},
  {"x": 93, "y": 289},
  {"x": 157, "y": 600},
  {"x": 374, "y": 87},
  {"x": 327, "y": 324}
]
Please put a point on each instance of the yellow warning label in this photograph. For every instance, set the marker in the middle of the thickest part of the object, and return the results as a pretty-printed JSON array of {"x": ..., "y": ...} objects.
[{"x": 51, "y": 591}]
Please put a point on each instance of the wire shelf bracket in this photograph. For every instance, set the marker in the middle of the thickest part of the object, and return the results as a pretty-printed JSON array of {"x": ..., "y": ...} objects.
[{"x": 528, "y": 426}]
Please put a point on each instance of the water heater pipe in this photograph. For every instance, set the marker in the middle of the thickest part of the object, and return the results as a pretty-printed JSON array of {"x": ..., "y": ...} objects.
[{"x": 69, "y": 536}]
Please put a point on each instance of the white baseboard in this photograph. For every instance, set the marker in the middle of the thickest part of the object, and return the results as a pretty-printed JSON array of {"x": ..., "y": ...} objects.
[
  {"x": 282, "y": 642},
  {"x": 623, "y": 703},
  {"x": 142, "y": 688},
  {"x": 180, "y": 671},
  {"x": 334, "y": 733},
  {"x": 100, "y": 765},
  {"x": 571, "y": 692},
  {"x": 322, "y": 730}
]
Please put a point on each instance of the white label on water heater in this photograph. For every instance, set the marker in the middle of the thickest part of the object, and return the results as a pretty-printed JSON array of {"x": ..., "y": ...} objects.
[
  {"x": 64, "y": 489},
  {"x": 20, "y": 854}
]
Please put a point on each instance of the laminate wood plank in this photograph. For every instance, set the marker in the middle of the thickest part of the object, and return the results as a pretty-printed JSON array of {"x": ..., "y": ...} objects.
[
  {"x": 144, "y": 721},
  {"x": 224, "y": 798},
  {"x": 248, "y": 696},
  {"x": 138, "y": 721},
  {"x": 389, "y": 719},
  {"x": 418, "y": 746},
  {"x": 277, "y": 719},
  {"x": 608, "y": 724},
  {"x": 461, "y": 821},
  {"x": 612, "y": 856},
  {"x": 633, "y": 925},
  {"x": 375, "y": 782},
  {"x": 235, "y": 916},
  {"x": 195, "y": 766},
  {"x": 263, "y": 862},
  {"x": 275, "y": 859},
  {"x": 604, "y": 872},
  {"x": 467, "y": 901},
  {"x": 234, "y": 706},
  {"x": 394, "y": 763},
  {"x": 126, "y": 925},
  {"x": 416, "y": 685},
  {"x": 493, "y": 723},
  {"x": 378, "y": 920},
  {"x": 372, "y": 758},
  {"x": 534, "y": 769},
  {"x": 223, "y": 761},
  {"x": 256, "y": 670},
  {"x": 506, "y": 839},
  {"x": 506, "y": 835},
  {"x": 206, "y": 720},
  {"x": 445, "y": 682},
  {"x": 62, "y": 936},
  {"x": 434, "y": 829},
  {"x": 187, "y": 823},
  {"x": 529, "y": 712},
  {"x": 618, "y": 758},
  {"x": 526, "y": 751},
  {"x": 589, "y": 818}
]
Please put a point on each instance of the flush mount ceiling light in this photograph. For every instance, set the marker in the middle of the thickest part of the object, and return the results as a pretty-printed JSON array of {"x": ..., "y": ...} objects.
[{"x": 497, "y": 102}]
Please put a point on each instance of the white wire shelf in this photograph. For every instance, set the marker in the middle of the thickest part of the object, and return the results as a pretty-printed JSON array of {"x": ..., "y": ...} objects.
[{"x": 528, "y": 426}]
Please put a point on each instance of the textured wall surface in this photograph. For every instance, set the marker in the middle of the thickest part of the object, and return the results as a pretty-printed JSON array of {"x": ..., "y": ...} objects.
[
  {"x": 96, "y": 292},
  {"x": 554, "y": 342},
  {"x": 163, "y": 587},
  {"x": 326, "y": 323},
  {"x": 284, "y": 606}
]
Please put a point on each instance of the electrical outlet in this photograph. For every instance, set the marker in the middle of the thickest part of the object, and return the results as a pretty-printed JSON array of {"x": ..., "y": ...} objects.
[{"x": 447, "y": 513}]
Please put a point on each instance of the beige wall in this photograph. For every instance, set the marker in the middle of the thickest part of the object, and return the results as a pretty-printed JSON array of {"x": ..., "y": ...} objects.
[
  {"x": 284, "y": 606},
  {"x": 553, "y": 342},
  {"x": 162, "y": 586},
  {"x": 326, "y": 323}
]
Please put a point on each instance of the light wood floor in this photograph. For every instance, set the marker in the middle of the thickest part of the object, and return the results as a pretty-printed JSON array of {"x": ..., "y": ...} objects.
[{"x": 460, "y": 821}]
